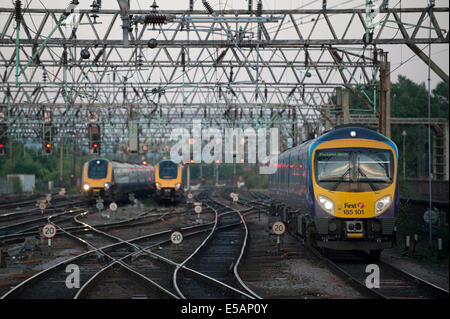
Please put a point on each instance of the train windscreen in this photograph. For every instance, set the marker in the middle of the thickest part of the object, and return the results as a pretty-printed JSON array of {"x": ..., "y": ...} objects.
[
  {"x": 354, "y": 170},
  {"x": 168, "y": 170},
  {"x": 97, "y": 169}
]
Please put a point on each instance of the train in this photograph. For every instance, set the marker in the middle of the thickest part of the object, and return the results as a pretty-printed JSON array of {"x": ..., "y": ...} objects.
[
  {"x": 339, "y": 191},
  {"x": 114, "y": 180},
  {"x": 168, "y": 181}
]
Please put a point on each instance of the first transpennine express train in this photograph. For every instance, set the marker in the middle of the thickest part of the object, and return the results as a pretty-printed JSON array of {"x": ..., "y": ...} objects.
[
  {"x": 341, "y": 190},
  {"x": 113, "y": 180}
]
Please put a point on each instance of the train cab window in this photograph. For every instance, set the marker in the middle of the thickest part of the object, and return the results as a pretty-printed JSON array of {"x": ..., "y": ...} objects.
[
  {"x": 168, "y": 170},
  {"x": 97, "y": 169},
  {"x": 375, "y": 166},
  {"x": 354, "y": 170}
]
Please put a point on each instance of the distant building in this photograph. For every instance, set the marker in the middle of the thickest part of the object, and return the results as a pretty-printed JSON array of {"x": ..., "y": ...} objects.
[{"x": 26, "y": 181}]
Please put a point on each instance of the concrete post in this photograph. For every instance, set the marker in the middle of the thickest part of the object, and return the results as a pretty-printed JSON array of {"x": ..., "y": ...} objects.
[
  {"x": 72, "y": 164},
  {"x": 385, "y": 98},
  {"x": 446, "y": 152},
  {"x": 346, "y": 107},
  {"x": 61, "y": 159}
]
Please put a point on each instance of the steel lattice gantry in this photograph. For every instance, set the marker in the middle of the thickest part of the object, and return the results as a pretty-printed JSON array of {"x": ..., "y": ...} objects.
[{"x": 258, "y": 68}]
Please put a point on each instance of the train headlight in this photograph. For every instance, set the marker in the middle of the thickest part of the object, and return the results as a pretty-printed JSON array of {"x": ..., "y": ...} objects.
[
  {"x": 158, "y": 185},
  {"x": 86, "y": 187},
  {"x": 382, "y": 204},
  {"x": 107, "y": 186},
  {"x": 177, "y": 185},
  {"x": 326, "y": 203}
]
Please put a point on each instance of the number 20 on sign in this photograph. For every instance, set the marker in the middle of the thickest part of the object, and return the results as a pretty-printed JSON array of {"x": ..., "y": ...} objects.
[{"x": 49, "y": 231}]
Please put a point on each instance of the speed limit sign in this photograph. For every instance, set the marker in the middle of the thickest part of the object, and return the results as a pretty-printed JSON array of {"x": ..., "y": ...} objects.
[
  {"x": 49, "y": 231},
  {"x": 113, "y": 206},
  {"x": 198, "y": 207},
  {"x": 278, "y": 228},
  {"x": 176, "y": 237}
]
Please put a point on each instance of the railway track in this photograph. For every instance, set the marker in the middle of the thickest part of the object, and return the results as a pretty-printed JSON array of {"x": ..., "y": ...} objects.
[
  {"x": 218, "y": 258},
  {"x": 92, "y": 264},
  {"x": 121, "y": 256},
  {"x": 394, "y": 283}
]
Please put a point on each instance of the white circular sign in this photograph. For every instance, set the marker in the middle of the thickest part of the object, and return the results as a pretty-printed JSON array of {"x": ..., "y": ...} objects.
[
  {"x": 48, "y": 197},
  {"x": 49, "y": 231},
  {"x": 426, "y": 216},
  {"x": 113, "y": 206},
  {"x": 235, "y": 198},
  {"x": 198, "y": 209},
  {"x": 190, "y": 196},
  {"x": 176, "y": 237},
  {"x": 278, "y": 228},
  {"x": 99, "y": 205}
]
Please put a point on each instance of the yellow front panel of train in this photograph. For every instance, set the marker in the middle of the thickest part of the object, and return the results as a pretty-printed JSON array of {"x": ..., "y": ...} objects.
[
  {"x": 96, "y": 183},
  {"x": 349, "y": 204},
  {"x": 168, "y": 183}
]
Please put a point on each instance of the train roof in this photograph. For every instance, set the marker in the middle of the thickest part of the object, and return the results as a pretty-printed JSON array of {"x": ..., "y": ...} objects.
[
  {"x": 352, "y": 131},
  {"x": 167, "y": 161},
  {"x": 341, "y": 132},
  {"x": 120, "y": 163}
]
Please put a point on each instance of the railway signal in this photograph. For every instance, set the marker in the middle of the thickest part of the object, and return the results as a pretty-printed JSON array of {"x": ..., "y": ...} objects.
[
  {"x": 47, "y": 145},
  {"x": 3, "y": 139},
  {"x": 94, "y": 138}
]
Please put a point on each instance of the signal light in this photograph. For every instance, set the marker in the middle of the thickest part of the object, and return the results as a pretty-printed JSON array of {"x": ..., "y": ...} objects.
[
  {"x": 145, "y": 163},
  {"x": 2, "y": 149},
  {"x": 47, "y": 148},
  {"x": 95, "y": 145}
]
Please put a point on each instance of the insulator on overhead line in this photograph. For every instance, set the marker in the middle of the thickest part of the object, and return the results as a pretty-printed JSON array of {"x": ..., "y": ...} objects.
[
  {"x": 64, "y": 57},
  {"x": 71, "y": 7},
  {"x": 155, "y": 19},
  {"x": 18, "y": 12},
  {"x": 306, "y": 57},
  {"x": 183, "y": 58},
  {"x": 259, "y": 7},
  {"x": 231, "y": 74},
  {"x": 324, "y": 4},
  {"x": 154, "y": 6},
  {"x": 191, "y": 5},
  {"x": 265, "y": 93},
  {"x": 250, "y": 5},
  {"x": 208, "y": 7}
]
